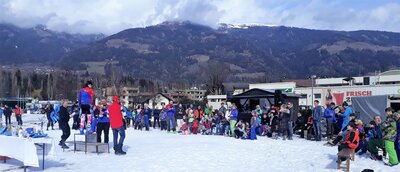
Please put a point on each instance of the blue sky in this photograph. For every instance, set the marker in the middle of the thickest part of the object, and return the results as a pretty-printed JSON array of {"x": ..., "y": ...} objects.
[{"x": 111, "y": 16}]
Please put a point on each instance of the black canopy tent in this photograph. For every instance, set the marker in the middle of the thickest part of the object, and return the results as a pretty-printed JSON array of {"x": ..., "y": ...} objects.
[{"x": 247, "y": 101}]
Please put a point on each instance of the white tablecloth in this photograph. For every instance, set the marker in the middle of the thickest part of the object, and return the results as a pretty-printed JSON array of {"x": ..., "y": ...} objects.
[{"x": 24, "y": 149}]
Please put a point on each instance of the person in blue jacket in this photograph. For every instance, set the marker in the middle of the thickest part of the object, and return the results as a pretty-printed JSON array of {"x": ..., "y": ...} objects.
[
  {"x": 171, "y": 123},
  {"x": 346, "y": 115},
  {"x": 317, "y": 117},
  {"x": 146, "y": 113},
  {"x": 103, "y": 122},
  {"x": 330, "y": 120},
  {"x": 233, "y": 119}
]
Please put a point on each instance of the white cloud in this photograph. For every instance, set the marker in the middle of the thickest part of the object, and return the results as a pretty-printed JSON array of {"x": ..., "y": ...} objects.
[{"x": 111, "y": 16}]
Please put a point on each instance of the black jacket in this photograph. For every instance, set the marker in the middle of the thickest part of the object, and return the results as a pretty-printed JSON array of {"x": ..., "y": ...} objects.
[
  {"x": 63, "y": 114},
  {"x": 264, "y": 121},
  {"x": 300, "y": 121},
  {"x": 156, "y": 113},
  {"x": 7, "y": 112},
  {"x": 180, "y": 113}
]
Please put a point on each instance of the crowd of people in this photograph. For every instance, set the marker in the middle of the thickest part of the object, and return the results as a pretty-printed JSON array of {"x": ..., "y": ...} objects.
[{"x": 381, "y": 138}]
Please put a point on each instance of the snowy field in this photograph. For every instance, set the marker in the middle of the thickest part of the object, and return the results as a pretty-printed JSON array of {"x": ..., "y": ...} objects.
[{"x": 159, "y": 151}]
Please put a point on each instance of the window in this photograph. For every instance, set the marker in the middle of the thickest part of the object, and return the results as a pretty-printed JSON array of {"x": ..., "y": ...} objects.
[
  {"x": 212, "y": 100},
  {"x": 317, "y": 96}
]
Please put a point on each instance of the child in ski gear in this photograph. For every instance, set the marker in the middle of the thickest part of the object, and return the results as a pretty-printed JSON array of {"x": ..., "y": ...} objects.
[
  {"x": 138, "y": 120},
  {"x": 216, "y": 125},
  {"x": 163, "y": 117},
  {"x": 198, "y": 113},
  {"x": 206, "y": 127},
  {"x": 117, "y": 125},
  {"x": 195, "y": 126},
  {"x": 185, "y": 126},
  {"x": 85, "y": 101}
]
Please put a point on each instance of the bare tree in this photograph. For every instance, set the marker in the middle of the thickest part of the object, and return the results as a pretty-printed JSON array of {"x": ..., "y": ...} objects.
[{"x": 214, "y": 75}]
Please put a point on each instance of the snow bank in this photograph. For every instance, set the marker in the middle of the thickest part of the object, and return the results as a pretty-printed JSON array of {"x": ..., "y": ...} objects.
[{"x": 159, "y": 151}]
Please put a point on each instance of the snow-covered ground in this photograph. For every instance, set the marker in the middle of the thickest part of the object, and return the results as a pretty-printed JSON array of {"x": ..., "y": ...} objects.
[{"x": 159, "y": 151}]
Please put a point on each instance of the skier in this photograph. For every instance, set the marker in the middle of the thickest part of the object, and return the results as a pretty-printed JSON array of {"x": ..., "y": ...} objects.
[
  {"x": 63, "y": 123},
  {"x": 117, "y": 125},
  {"x": 85, "y": 101}
]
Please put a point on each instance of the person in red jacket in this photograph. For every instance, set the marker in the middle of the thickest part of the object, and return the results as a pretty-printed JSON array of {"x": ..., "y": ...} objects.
[
  {"x": 18, "y": 114},
  {"x": 117, "y": 125}
]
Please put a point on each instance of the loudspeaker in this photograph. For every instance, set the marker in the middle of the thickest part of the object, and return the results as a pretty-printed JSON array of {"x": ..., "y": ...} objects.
[{"x": 278, "y": 97}]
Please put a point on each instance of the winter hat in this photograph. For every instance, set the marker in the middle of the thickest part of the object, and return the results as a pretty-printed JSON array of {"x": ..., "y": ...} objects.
[{"x": 115, "y": 99}]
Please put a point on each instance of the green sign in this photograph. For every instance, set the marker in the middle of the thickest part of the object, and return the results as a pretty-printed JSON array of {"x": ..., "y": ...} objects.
[{"x": 287, "y": 90}]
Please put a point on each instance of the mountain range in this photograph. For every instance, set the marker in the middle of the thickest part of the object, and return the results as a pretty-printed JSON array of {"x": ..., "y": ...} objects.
[{"x": 185, "y": 51}]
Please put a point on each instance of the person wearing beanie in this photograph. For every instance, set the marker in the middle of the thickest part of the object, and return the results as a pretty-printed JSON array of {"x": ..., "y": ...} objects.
[
  {"x": 389, "y": 129},
  {"x": 117, "y": 125}
]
